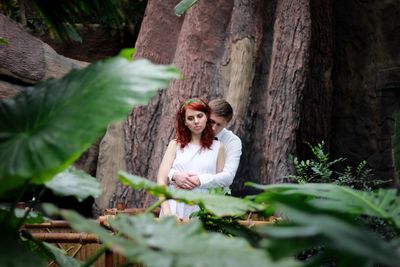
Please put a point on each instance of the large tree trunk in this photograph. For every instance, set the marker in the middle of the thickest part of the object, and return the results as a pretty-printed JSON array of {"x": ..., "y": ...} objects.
[
  {"x": 224, "y": 49},
  {"x": 272, "y": 60},
  {"x": 367, "y": 81}
]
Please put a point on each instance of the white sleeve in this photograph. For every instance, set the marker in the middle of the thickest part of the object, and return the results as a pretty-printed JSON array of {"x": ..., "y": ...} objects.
[{"x": 233, "y": 151}]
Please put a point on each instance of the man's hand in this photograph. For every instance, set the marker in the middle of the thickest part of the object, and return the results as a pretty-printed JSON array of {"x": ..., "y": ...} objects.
[{"x": 186, "y": 181}]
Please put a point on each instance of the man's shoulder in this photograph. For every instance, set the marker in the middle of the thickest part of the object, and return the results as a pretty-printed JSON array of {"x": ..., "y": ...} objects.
[{"x": 231, "y": 136}]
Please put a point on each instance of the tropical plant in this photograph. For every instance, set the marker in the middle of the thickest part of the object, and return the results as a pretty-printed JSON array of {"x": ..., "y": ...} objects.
[
  {"x": 60, "y": 17},
  {"x": 45, "y": 129},
  {"x": 315, "y": 215},
  {"x": 320, "y": 169}
]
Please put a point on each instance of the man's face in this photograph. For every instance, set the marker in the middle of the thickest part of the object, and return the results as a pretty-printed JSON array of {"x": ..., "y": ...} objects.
[{"x": 218, "y": 123}]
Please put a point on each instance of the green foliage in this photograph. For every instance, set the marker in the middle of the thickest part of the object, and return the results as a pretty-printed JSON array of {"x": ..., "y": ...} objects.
[
  {"x": 184, "y": 5},
  {"x": 3, "y": 41},
  {"x": 60, "y": 256},
  {"x": 74, "y": 182},
  {"x": 219, "y": 205},
  {"x": 167, "y": 243},
  {"x": 344, "y": 242},
  {"x": 60, "y": 16},
  {"x": 383, "y": 203},
  {"x": 315, "y": 216},
  {"x": 127, "y": 53},
  {"x": 325, "y": 215},
  {"x": 320, "y": 169},
  {"x": 45, "y": 128},
  {"x": 15, "y": 251}
]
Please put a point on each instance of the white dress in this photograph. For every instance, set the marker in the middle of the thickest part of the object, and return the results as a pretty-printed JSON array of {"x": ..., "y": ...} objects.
[{"x": 195, "y": 160}]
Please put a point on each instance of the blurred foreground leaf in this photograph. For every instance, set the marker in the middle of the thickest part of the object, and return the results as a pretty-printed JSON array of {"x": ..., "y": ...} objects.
[
  {"x": 47, "y": 127},
  {"x": 164, "y": 242},
  {"x": 382, "y": 203},
  {"x": 74, "y": 182},
  {"x": 217, "y": 204}
]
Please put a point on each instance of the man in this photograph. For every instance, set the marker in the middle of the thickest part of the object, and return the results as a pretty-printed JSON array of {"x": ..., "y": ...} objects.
[{"x": 221, "y": 115}]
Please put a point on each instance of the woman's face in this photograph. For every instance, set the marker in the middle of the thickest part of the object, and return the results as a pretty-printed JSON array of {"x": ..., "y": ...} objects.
[{"x": 195, "y": 121}]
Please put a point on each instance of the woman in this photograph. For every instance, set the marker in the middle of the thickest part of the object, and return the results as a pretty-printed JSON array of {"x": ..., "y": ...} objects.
[{"x": 193, "y": 150}]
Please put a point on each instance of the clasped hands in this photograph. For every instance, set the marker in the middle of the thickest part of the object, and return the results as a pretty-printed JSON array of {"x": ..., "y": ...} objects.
[{"x": 186, "y": 181}]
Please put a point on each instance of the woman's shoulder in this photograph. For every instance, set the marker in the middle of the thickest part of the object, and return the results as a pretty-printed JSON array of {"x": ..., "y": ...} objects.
[{"x": 173, "y": 143}]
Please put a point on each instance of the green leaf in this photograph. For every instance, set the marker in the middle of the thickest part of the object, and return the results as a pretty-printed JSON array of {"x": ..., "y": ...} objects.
[
  {"x": 61, "y": 257},
  {"x": 182, "y": 6},
  {"x": 75, "y": 182},
  {"x": 127, "y": 53},
  {"x": 216, "y": 204},
  {"x": 15, "y": 252},
  {"x": 339, "y": 236},
  {"x": 46, "y": 127},
  {"x": 164, "y": 242},
  {"x": 3, "y": 41},
  {"x": 383, "y": 203},
  {"x": 32, "y": 218}
]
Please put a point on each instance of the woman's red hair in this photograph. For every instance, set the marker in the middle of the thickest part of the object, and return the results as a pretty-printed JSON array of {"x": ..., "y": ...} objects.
[{"x": 183, "y": 134}]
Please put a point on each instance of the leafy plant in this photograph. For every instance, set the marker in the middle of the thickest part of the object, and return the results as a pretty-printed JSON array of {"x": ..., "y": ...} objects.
[
  {"x": 60, "y": 17},
  {"x": 167, "y": 243},
  {"x": 46, "y": 127},
  {"x": 320, "y": 169},
  {"x": 326, "y": 215},
  {"x": 219, "y": 205},
  {"x": 183, "y": 6},
  {"x": 314, "y": 170}
]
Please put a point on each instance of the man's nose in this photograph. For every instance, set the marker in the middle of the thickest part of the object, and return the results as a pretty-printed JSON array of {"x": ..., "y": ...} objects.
[{"x": 214, "y": 127}]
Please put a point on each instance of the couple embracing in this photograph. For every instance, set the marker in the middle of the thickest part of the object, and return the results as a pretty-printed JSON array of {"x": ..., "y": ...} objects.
[{"x": 203, "y": 155}]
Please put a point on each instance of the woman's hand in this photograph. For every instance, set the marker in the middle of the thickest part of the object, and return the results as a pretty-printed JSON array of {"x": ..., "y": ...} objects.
[{"x": 186, "y": 181}]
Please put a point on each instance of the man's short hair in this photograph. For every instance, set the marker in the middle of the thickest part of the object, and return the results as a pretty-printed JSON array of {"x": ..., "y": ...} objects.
[{"x": 221, "y": 108}]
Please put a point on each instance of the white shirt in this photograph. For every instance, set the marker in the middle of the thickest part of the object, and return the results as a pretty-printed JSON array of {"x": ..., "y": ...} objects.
[
  {"x": 192, "y": 158},
  {"x": 233, "y": 151}
]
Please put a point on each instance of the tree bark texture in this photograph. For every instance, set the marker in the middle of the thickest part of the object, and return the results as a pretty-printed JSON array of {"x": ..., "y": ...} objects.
[
  {"x": 244, "y": 51},
  {"x": 366, "y": 78},
  {"x": 28, "y": 59},
  {"x": 294, "y": 71}
]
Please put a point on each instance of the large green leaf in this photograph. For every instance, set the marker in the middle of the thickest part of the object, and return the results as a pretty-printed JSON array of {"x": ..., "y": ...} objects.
[
  {"x": 76, "y": 183},
  {"x": 45, "y": 128},
  {"x": 383, "y": 203},
  {"x": 15, "y": 252},
  {"x": 183, "y": 5},
  {"x": 60, "y": 256},
  {"x": 345, "y": 240},
  {"x": 217, "y": 204},
  {"x": 163, "y": 243}
]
